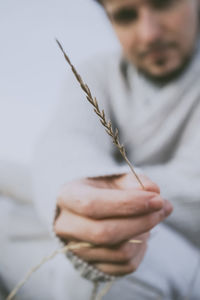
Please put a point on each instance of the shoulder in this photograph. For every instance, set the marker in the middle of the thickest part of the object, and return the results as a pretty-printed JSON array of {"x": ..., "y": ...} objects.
[{"x": 101, "y": 65}]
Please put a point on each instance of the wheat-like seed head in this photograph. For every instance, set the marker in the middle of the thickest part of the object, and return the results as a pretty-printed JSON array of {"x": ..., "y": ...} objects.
[{"x": 101, "y": 114}]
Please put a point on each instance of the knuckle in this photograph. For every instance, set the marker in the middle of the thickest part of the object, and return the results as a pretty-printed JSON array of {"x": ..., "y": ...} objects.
[
  {"x": 101, "y": 235},
  {"x": 86, "y": 207},
  {"x": 133, "y": 205},
  {"x": 82, "y": 206}
]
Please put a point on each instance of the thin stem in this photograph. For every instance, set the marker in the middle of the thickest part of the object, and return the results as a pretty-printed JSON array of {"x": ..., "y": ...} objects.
[
  {"x": 101, "y": 114},
  {"x": 105, "y": 290},
  {"x": 43, "y": 261},
  {"x": 70, "y": 246},
  {"x": 95, "y": 290},
  {"x": 133, "y": 171}
]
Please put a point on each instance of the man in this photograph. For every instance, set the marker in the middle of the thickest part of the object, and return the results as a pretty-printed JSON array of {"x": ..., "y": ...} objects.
[{"x": 151, "y": 93}]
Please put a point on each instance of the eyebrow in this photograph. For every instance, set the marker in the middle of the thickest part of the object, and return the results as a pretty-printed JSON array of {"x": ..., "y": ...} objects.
[
  {"x": 119, "y": 10},
  {"x": 126, "y": 4},
  {"x": 115, "y": 12},
  {"x": 129, "y": 3}
]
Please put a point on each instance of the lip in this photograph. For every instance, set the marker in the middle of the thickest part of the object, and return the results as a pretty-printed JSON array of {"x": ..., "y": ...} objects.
[{"x": 157, "y": 53}]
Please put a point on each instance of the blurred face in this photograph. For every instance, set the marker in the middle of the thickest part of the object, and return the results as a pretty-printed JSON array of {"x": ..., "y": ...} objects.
[{"x": 158, "y": 36}]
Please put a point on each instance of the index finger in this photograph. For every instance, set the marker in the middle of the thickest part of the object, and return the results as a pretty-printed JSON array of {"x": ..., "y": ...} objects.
[{"x": 100, "y": 203}]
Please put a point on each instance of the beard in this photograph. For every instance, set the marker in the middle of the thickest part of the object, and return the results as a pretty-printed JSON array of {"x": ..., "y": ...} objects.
[{"x": 167, "y": 77}]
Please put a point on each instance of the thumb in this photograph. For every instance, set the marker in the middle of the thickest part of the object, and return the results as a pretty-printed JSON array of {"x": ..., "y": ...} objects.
[{"x": 129, "y": 181}]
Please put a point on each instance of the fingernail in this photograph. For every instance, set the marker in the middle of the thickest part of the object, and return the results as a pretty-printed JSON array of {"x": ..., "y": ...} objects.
[{"x": 156, "y": 203}]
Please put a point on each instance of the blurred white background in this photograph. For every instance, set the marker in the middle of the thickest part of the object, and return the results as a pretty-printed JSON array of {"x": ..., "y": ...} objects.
[{"x": 32, "y": 70}]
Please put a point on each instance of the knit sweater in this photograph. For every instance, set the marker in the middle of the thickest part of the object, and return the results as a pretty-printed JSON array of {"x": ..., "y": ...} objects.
[{"x": 157, "y": 125}]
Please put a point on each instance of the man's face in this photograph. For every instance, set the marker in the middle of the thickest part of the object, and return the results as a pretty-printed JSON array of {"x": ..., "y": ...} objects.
[{"x": 157, "y": 36}]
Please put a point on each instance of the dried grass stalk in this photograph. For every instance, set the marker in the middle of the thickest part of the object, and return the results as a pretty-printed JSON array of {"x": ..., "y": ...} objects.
[
  {"x": 101, "y": 114},
  {"x": 105, "y": 290},
  {"x": 115, "y": 138},
  {"x": 43, "y": 261}
]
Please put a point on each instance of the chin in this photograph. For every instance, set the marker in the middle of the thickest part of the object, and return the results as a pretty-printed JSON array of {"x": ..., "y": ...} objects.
[
  {"x": 163, "y": 71},
  {"x": 160, "y": 72}
]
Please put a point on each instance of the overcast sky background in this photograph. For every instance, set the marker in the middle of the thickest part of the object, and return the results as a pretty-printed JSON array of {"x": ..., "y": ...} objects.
[{"x": 32, "y": 68}]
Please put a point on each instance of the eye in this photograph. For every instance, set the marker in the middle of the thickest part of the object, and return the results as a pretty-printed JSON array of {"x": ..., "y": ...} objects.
[
  {"x": 124, "y": 16},
  {"x": 162, "y": 4}
]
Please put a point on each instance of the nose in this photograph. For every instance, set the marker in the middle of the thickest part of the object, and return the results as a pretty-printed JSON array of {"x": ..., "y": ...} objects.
[{"x": 149, "y": 27}]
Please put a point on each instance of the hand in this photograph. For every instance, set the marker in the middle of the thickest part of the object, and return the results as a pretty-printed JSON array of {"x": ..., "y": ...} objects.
[{"x": 108, "y": 212}]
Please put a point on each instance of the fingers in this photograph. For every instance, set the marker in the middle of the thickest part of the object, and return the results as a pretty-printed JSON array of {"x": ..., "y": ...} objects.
[
  {"x": 149, "y": 185},
  {"x": 98, "y": 203},
  {"x": 115, "y": 269},
  {"x": 107, "y": 213},
  {"x": 107, "y": 231},
  {"x": 128, "y": 181},
  {"x": 122, "y": 253}
]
